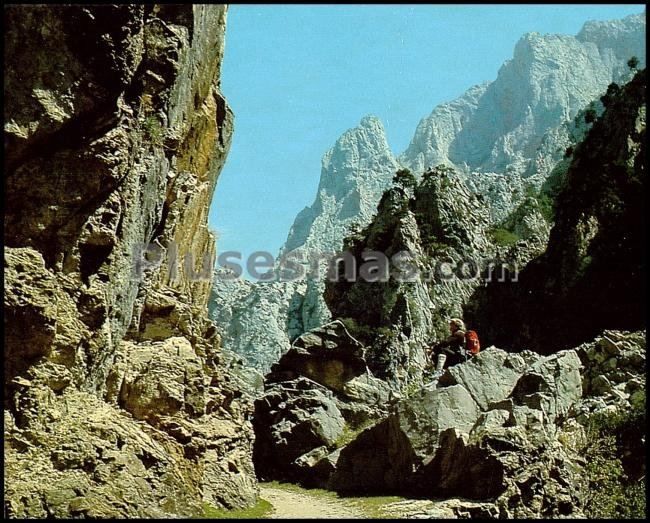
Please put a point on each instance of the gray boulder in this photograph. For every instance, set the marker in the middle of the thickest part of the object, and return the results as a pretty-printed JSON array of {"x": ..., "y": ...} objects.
[
  {"x": 329, "y": 355},
  {"x": 489, "y": 377},
  {"x": 384, "y": 457},
  {"x": 291, "y": 420}
]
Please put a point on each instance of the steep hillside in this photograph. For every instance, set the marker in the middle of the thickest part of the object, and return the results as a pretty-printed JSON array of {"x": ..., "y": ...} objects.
[
  {"x": 503, "y": 138},
  {"x": 592, "y": 275},
  {"x": 437, "y": 219}
]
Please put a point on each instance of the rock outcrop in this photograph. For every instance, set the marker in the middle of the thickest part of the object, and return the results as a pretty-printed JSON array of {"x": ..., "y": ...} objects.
[
  {"x": 316, "y": 397},
  {"x": 434, "y": 235},
  {"x": 505, "y": 430},
  {"x": 504, "y": 138},
  {"x": 117, "y": 403},
  {"x": 592, "y": 274}
]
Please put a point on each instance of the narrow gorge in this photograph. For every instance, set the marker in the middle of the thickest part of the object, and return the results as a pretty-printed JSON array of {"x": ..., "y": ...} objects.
[{"x": 141, "y": 382}]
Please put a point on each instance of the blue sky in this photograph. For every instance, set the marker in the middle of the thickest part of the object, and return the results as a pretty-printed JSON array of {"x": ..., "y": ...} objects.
[{"x": 298, "y": 76}]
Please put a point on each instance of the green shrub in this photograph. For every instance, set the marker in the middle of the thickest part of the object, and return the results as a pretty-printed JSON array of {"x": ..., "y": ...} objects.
[
  {"x": 633, "y": 63},
  {"x": 590, "y": 115},
  {"x": 611, "y": 492},
  {"x": 154, "y": 130},
  {"x": 503, "y": 237},
  {"x": 361, "y": 332},
  {"x": 350, "y": 433},
  {"x": 405, "y": 179}
]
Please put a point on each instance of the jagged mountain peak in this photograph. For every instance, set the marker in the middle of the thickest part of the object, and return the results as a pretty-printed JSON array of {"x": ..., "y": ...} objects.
[
  {"x": 502, "y": 137},
  {"x": 355, "y": 172},
  {"x": 499, "y": 127},
  {"x": 362, "y": 147}
]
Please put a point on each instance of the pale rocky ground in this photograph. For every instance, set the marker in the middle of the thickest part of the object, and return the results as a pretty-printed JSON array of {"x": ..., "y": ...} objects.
[
  {"x": 290, "y": 504},
  {"x": 299, "y": 503}
]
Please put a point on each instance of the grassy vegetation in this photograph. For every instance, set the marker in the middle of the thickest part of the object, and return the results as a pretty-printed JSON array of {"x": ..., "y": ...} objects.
[
  {"x": 261, "y": 510},
  {"x": 503, "y": 237},
  {"x": 612, "y": 493},
  {"x": 154, "y": 130},
  {"x": 373, "y": 506},
  {"x": 349, "y": 434},
  {"x": 363, "y": 333},
  {"x": 291, "y": 487}
]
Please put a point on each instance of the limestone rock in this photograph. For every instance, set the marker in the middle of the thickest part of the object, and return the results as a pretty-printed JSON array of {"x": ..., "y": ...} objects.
[
  {"x": 328, "y": 355},
  {"x": 512, "y": 129},
  {"x": 489, "y": 377},
  {"x": 259, "y": 321},
  {"x": 293, "y": 419},
  {"x": 118, "y": 400},
  {"x": 385, "y": 456}
]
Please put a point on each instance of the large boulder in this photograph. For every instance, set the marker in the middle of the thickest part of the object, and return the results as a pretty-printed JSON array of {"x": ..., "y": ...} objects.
[
  {"x": 489, "y": 430},
  {"x": 317, "y": 397},
  {"x": 384, "y": 457},
  {"x": 524, "y": 479},
  {"x": 551, "y": 385},
  {"x": 489, "y": 376},
  {"x": 292, "y": 419},
  {"x": 329, "y": 355}
]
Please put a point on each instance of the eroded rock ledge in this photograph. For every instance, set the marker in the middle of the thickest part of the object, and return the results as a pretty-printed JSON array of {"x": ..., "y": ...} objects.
[{"x": 117, "y": 403}]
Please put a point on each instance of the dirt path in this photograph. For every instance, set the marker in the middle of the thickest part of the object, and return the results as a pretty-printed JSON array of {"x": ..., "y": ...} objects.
[{"x": 290, "y": 504}]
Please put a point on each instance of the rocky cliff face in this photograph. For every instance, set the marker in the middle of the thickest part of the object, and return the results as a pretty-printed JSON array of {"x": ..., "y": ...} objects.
[
  {"x": 503, "y": 138},
  {"x": 354, "y": 174},
  {"x": 116, "y": 400},
  {"x": 515, "y": 127},
  {"x": 435, "y": 220},
  {"x": 592, "y": 274}
]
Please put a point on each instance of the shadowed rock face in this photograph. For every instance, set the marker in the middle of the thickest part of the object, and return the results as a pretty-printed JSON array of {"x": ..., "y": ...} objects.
[
  {"x": 505, "y": 429},
  {"x": 592, "y": 275},
  {"x": 116, "y": 401}
]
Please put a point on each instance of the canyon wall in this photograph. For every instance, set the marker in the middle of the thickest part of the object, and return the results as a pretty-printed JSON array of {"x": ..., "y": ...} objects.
[{"x": 117, "y": 403}]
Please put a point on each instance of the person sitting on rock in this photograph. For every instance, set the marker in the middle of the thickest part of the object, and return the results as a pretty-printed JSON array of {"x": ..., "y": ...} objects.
[{"x": 452, "y": 349}]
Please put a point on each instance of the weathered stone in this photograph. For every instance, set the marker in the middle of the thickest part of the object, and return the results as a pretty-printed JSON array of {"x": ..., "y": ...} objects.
[
  {"x": 384, "y": 457},
  {"x": 116, "y": 134},
  {"x": 30, "y": 311},
  {"x": 291, "y": 420},
  {"x": 176, "y": 381},
  {"x": 368, "y": 390},
  {"x": 329, "y": 357},
  {"x": 489, "y": 377},
  {"x": 552, "y": 384}
]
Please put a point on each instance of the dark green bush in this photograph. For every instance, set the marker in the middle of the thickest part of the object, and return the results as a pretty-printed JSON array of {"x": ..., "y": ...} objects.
[
  {"x": 503, "y": 237},
  {"x": 614, "y": 444}
]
